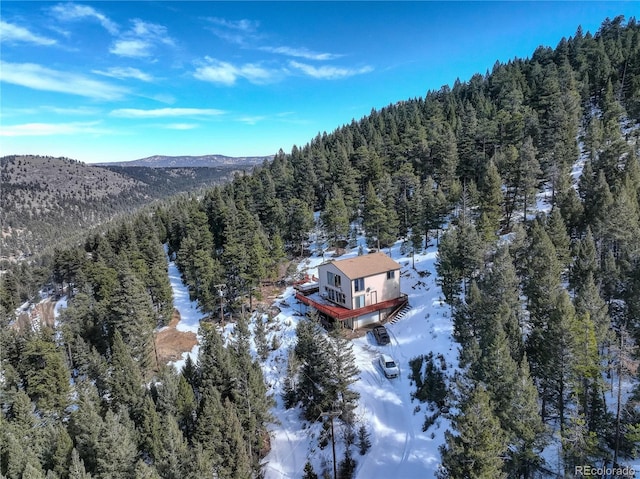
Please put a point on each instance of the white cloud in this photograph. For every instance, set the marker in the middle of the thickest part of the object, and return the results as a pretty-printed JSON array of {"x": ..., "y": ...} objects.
[
  {"x": 251, "y": 120},
  {"x": 327, "y": 72},
  {"x": 125, "y": 72},
  {"x": 37, "y": 77},
  {"x": 234, "y": 31},
  {"x": 141, "y": 40},
  {"x": 73, "y": 11},
  {"x": 15, "y": 33},
  {"x": 48, "y": 129},
  {"x": 301, "y": 53},
  {"x": 165, "y": 112},
  {"x": 181, "y": 126},
  {"x": 79, "y": 111},
  {"x": 131, "y": 48},
  {"x": 216, "y": 71},
  {"x": 242, "y": 25}
]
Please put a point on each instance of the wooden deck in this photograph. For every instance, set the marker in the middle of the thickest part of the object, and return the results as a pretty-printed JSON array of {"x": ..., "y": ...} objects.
[{"x": 340, "y": 314}]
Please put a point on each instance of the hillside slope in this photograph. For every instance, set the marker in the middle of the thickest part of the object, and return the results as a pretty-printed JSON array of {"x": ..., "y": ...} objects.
[
  {"x": 203, "y": 161},
  {"x": 45, "y": 199}
]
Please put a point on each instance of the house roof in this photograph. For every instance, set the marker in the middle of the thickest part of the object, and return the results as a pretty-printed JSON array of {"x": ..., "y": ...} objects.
[{"x": 365, "y": 265}]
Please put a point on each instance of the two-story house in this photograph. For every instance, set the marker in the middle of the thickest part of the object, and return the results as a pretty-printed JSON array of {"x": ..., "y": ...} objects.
[{"x": 357, "y": 291}]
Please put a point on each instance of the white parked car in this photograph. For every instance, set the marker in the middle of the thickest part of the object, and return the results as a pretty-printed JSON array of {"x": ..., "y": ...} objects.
[{"x": 389, "y": 366}]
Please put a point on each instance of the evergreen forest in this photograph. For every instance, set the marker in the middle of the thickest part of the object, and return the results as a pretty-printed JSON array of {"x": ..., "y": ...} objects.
[{"x": 545, "y": 302}]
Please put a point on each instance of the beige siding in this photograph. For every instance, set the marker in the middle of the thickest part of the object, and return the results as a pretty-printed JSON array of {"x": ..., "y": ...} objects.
[
  {"x": 331, "y": 291},
  {"x": 378, "y": 288}
]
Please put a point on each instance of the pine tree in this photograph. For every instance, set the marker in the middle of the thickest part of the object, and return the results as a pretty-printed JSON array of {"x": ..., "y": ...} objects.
[
  {"x": 143, "y": 470},
  {"x": 174, "y": 460},
  {"x": 529, "y": 172},
  {"x": 491, "y": 202},
  {"x": 116, "y": 447},
  {"x": 335, "y": 216},
  {"x": 347, "y": 466},
  {"x": 214, "y": 363},
  {"x": 260, "y": 337},
  {"x": 185, "y": 406},
  {"x": 470, "y": 251},
  {"x": 364, "y": 440},
  {"x": 527, "y": 433},
  {"x": 599, "y": 207},
  {"x": 445, "y": 154},
  {"x": 448, "y": 266},
  {"x": 585, "y": 261},
  {"x": 76, "y": 469},
  {"x": 431, "y": 210},
  {"x": 578, "y": 443},
  {"x": 586, "y": 371},
  {"x": 344, "y": 373},
  {"x": 131, "y": 314},
  {"x": 314, "y": 375},
  {"x": 501, "y": 299},
  {"x": 250, "y": 394},
  {"x": 374, "y": 218},
  {"x": 208, "y": 427},
  {"x": 557, "y": 363},
  {"x": 309, "y": 473},
  {"x": 149, "y": 432},
  {"x": 87, "y": 424},
  {"x": 62, "y": 453},
  {"x": 479, "y": 444},
  {"x": 589, "y": 302},
  {"x": 299, "y": 222},
  {"x": 236, "y": 457},
  {"x": 125, "y": 381},
  {"x": 45, "y": 375},
  {"x": 542, "y": 287},
  {"x": 235, "y": 255},
  {"x": 467, "y": 317},
  {"x": 557, "y": 231}
]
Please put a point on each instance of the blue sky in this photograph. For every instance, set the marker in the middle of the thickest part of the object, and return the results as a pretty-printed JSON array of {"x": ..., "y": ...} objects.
[{"x": 116, "y": 81}]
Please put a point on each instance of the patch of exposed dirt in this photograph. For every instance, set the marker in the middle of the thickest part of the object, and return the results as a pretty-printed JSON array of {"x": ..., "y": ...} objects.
[
  {"x": 45, "y": 311},
  {"x": 39, "y": 316},
  {"x": 171, "y": 343}
]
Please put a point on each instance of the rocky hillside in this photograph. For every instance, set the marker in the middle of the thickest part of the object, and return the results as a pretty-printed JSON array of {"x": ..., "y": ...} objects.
[{"x": 45, "y": 199}]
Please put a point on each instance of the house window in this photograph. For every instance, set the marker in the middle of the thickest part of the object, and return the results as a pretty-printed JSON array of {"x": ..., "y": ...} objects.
[
  {"x": 340, "y": 297},
  {"x": 358, "y": 301},
  {"x": 391, "y": 274},
  {"x": 332, "y": 295},
  {"x": 334, "y": 279},
  {"x": 358, "y": 284}
]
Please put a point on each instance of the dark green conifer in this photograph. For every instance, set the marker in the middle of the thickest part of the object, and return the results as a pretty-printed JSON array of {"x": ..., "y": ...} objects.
[{"x": 477, "y": 447}]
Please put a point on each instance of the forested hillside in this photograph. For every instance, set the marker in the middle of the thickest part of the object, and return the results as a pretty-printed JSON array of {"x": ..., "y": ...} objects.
[
  {"x": 45, "y": 200},
  {"x": 208, "y": 161},
  {"x": 544, "y": 294}
]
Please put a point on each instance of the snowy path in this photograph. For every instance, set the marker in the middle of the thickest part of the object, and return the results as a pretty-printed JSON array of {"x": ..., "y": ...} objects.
[{"x": 190, "y": 316}]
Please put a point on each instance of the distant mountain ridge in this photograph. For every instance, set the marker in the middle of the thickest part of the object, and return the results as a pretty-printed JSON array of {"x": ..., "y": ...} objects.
[
  {"x": 47, "y": 200},
  {"x": 203, "y": 161}
]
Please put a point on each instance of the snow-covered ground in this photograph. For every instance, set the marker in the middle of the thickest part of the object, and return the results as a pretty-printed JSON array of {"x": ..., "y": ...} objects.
[
  {"x": 400, "y": 449},
  {"x": 190, "y": 315}
]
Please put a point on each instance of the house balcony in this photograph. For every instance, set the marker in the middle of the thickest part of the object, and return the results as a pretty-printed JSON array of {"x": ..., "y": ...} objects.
[{"x": 340, "y": 313}]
